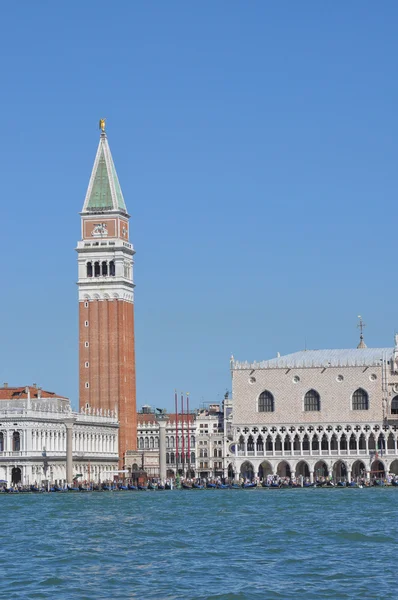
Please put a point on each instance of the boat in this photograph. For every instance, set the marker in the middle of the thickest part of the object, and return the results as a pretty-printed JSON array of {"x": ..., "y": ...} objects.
[
  {"x": 160, "y": 486},
  {"x": 306, "y": 484},
  {"x": 167, "y": 486},
  {"x": 378, "y": 482},
  {"x": 84, "y": 488},
  {"x": 198, "y": 486},
  {"x": 142, "y": 488},
  {"x": 132, "y": 487},
  {"x": 341, "y": 484},
  {"x": 151, "y": 486},
  {"x": 123, "y": 487},
  {"x": 274, "y": 484},
  {"x": 222, "y": 486},
  {"x": 235, "y": 486},
  {"x": 394, "y": 482},
  {"x": 186, "y": 486},
  {"x": 211, "y": 485},
  {"x": 106, "y": 488},
  {"x": 246, "y": 486}
]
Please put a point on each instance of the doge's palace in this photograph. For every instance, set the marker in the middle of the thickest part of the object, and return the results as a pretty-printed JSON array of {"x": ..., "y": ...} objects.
[{"x": 317, "y": 413}]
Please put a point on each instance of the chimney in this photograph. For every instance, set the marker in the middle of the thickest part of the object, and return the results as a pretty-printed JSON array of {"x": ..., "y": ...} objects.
[
  {"x": 5, "y": 385},
  {"x": 34, "y": 385},
  {"x": 39, "y": 392}
]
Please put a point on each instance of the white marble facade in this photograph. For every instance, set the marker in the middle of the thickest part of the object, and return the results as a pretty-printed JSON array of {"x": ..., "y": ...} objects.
[{"x": 33, "y": 440}]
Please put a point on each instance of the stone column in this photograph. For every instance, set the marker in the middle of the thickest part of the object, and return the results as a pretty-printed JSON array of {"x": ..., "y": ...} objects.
[
  {"x": 69, "y": 449},
  {"x": 162, "y": 420},
  {"x": 311, "y": 476}
]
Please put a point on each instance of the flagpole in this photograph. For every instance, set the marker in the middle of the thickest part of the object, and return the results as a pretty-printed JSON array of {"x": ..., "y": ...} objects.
[
  {"x": 176, "y": 405},
  {"x": 182, "y": 435},
  {"x": 189, "y": 438}
]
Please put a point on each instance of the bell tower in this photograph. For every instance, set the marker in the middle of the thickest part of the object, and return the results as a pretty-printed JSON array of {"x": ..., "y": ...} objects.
[{"x": 106, "y": 300}]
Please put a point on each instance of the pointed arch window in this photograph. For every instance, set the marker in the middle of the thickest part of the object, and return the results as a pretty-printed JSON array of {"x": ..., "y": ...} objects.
[
  {"x": 394, "y": 406},
  {"x": 312, "y": 401},
  {"x": 241, "y": 444},
  {"x": 360, "y": 400},
  {"x": 250, "y": 443},
  {"x": 266, "y": 402}
]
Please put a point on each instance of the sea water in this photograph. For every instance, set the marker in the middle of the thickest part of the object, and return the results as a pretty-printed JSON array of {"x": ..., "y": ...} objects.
[{"x": 230, "y": 544}]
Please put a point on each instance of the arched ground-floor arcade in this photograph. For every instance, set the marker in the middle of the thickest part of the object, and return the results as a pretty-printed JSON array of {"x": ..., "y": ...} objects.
[
  {"x": 313, "y": 468},
  {"x": 27, "y": 472}
]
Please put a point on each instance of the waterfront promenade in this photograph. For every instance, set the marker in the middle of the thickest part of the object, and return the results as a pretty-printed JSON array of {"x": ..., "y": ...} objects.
[{"x": 308, "y": 544}]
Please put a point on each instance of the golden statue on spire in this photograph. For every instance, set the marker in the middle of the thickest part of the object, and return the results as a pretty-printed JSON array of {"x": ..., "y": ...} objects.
[{"x": 102, "y": 125}]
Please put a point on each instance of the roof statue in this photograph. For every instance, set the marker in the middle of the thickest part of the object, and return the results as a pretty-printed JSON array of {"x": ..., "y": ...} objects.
[
  {"x": 102, "y": 125},
  {"x": 361, "y": 326}
]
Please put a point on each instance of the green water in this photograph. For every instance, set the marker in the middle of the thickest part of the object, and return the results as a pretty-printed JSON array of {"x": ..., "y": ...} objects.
[{"x": 235, "y": 544}]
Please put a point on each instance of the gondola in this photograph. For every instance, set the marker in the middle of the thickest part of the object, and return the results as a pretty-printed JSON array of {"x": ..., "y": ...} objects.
[
  {"x": 275, "y": 485},
  {"x": 106, "y": 488},
  {"x": 211, "y": 485},
  {"x": 160, "y": 486},
  {"x": 341, "y": 484},
  {"x": 198, "y": 486},
  {"x": 394, "y": 482},
  {"x": 132, "y": 487},
  {"x": 235, "y": 486},
  {"x": 186, "y": 486},
  {"x": 247, "y": 486},
  {"x": 151, "y": 486},
  {"x": 142, "y": 488},
  {"x": 123, "y": 487},
  {"x": 222, "y": 486},
  {"x": 306, "y": 484},
  {"x": 167, "y": 486}
]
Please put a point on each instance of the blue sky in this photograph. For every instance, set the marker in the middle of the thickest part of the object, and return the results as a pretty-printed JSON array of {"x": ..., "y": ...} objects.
[{"x": 256, "y": 146}]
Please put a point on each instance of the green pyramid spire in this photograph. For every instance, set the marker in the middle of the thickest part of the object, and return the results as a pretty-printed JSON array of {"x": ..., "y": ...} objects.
[{"x": 104, "y": 191}]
